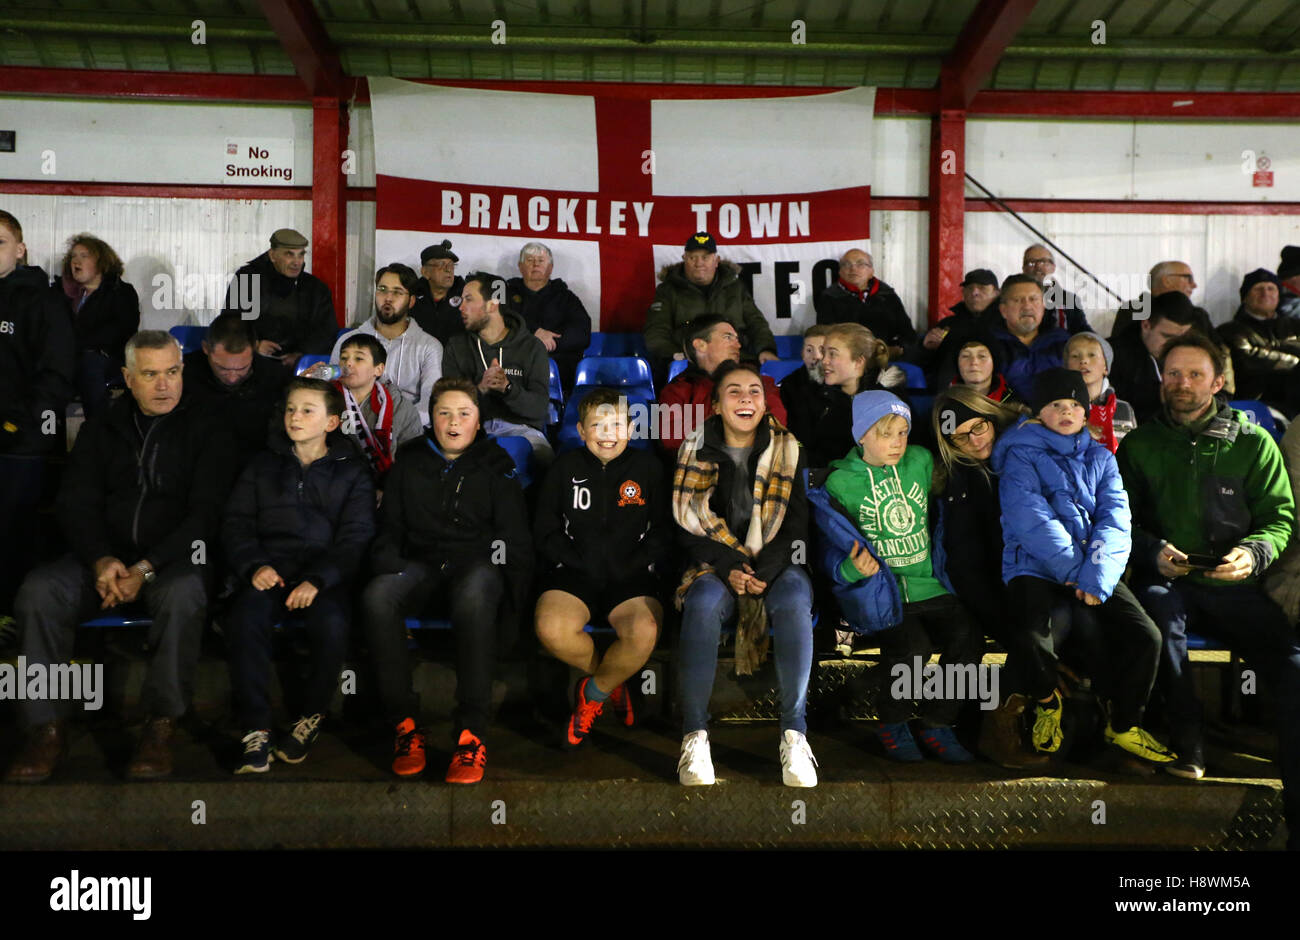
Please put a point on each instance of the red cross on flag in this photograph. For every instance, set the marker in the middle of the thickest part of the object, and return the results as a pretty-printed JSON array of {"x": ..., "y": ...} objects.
[{"x": 614, "y": 178}]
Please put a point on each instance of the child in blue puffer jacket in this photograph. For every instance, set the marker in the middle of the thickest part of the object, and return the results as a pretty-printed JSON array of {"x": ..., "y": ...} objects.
[{"x": 1067, "y": 530}]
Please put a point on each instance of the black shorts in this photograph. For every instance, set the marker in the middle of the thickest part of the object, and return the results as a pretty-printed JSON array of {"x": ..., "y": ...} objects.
[{"x": 601, "y": 598}]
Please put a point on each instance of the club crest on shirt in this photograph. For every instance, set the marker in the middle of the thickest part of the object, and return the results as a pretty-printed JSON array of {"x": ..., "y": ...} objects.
[{"x": 630, "y": 493}]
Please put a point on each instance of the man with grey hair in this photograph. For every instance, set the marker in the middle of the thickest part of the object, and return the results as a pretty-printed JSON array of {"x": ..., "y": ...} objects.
[
  {"x": 139, "y": 506},
  {"x": 858, "y": 296},
  {"x": 552, "y": 312},
  {"x": 1164, "y": 277},
  {"x": 1061, "y": 309}
]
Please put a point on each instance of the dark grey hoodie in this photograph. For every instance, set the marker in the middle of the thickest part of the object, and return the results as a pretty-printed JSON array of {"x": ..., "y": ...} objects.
[{"x": 523, "y": 357}]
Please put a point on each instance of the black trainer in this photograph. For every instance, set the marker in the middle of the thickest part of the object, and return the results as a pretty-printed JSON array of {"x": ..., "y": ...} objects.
[
  {"x": 257, "y": 753},
  {"x": 292, "y": 748}
]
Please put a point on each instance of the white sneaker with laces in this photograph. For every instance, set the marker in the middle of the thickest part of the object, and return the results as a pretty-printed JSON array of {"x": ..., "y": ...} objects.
[
  {"x": 695, "y": 769},
  {"x": 798, "y": 766}
]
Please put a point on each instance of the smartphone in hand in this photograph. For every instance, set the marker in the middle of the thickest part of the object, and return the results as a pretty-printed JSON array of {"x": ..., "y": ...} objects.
[{"x": 1203, "y": 562}]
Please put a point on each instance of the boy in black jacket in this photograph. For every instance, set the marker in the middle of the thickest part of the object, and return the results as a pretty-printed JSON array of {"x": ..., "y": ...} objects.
[
  {"x": 296, "y": 528},
  {"x": 454, "y": 525},
  {"x": 602, "y": 525}
]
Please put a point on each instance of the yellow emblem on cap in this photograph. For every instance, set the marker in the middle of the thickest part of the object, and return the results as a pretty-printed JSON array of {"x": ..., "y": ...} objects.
[{"x": 701, "y": 238}]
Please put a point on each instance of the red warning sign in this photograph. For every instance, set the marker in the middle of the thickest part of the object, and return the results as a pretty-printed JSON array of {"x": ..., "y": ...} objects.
[{"x": 1262, "y": 178}]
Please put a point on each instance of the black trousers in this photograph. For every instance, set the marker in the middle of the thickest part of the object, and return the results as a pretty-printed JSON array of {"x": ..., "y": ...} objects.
[
  {"x": 249, "y": 622},
  {"x": 474, "y": 595},
  {"x": 57, "y": 597},
  {"x": 1117, "y": 644},
  {"x": 938, "y": 623}
]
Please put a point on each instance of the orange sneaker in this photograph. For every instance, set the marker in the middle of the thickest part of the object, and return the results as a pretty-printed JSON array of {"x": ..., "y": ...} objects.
[
  {"x": 584, "y": 715},
  {"x": 621, "y": 699},
  {"x": 408, "y": 750},
  {"x": 468, "y": 761}
]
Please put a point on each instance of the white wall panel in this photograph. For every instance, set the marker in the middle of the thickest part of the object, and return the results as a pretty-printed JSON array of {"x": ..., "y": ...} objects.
[
  {"x": 900, "y": 154},
  {"x": 1121, "y": 248},
  {"x": 361, "y": 261},
  {"x": 137, "y": 142},
  {"x": 1032, "y": 158},
  {"x": 195, "y": 245},
  {"x": 900, "y": 250}
]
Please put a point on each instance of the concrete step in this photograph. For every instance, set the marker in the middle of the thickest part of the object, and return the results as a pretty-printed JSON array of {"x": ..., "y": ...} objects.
[{"x": 620, "y": 789}]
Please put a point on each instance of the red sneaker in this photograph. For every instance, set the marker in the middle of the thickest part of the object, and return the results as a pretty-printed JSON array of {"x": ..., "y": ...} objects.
[
  {"x": 468, "y": 761},
  {"x": 408, "y": 750},
  {"x": 621, "y": 699},
  {"x": 584, "y": 715}
]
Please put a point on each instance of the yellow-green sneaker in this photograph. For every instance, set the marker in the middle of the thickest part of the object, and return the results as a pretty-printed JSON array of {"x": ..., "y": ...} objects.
[
  {"x": 1047, "y": 725},
  {"x": 1140, "y": 744}
]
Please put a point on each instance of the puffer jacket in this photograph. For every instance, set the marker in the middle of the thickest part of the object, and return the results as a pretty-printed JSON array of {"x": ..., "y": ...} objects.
[
  {"x": 870, "y": 605},
  {"x": 677, "y": 302},
  {"x": 310, "y": 523},
  {"x": 1023, "y": 363},
  {"x": 1065, "y": 514}
]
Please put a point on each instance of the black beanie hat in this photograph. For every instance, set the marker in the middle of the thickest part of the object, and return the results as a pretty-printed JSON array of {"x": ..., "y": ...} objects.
[
  {"x": 1057, "y": 383},
  {"x": 1290, "y": 264},
  {"x": 436, "y": 252},
  {"x": 960, "y": 413},
  {"x": 1258, "y": 276}
]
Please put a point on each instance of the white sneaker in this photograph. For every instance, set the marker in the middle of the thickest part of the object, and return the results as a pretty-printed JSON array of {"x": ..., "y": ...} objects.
[
  {"x": 695, "y": 769},
  {"x": 797, "y": 761}
]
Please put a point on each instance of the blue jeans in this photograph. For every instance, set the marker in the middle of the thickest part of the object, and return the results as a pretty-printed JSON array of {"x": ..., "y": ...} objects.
[
  {"x": 710, "y": 603},
  {"x": 1244, "y": 618}
]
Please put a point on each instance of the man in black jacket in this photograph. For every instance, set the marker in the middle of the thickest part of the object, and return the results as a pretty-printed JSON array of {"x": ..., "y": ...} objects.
[
  {"x": 239, "y": 389},
  {"x": 1265, "y": 347},
  {"x": 976, "y": 312},
  {"x": 499, "y": 354},
  {"x": 551, "y": 311},
  {"x": 37, "y": 369},
  {"x": 294, "y": 310},
  {"x": 858, "y": 296},
  {"x": 1163, "y": 277},
  {"x": 139, "y": 505},
  {"x": 437, "y": 293},
  {"x": 1134, "y": 373}
]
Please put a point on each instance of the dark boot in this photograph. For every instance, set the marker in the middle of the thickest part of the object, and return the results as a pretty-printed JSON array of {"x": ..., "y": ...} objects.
[
  {"x": 1001, "y": 739},
  {"x": 41, "y": 753},
  {"x": 153, "y": 755}
]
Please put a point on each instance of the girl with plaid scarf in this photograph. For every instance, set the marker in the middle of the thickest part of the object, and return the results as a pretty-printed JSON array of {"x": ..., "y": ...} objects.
[{"x": 739, "y": 501}]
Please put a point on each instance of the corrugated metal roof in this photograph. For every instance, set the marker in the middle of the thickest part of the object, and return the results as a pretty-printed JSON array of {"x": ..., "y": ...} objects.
[{"x": 1156, "y": 45}]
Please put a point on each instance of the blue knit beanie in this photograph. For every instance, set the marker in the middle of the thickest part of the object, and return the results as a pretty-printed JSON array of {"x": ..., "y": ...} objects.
[{"x": 870, "y": 407}]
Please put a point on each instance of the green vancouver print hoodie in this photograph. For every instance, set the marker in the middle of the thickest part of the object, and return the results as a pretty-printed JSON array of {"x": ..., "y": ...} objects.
[{"x": 891, "y": 507}]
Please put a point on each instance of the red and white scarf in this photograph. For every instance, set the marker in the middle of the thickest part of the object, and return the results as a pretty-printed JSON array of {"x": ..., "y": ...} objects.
[
  {"x": 873, "y": 285},
  {"x": 376, "y": 442}
]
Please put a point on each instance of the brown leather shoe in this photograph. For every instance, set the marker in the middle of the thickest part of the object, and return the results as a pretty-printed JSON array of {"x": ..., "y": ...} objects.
[
  {"x": 41, "y": 753},
  {"x": 153, "y": 755},
  {"x": 1002, "y": 740}
]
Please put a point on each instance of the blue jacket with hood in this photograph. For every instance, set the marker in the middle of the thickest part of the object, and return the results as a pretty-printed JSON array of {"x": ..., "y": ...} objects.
[
  {"x": 1065, "y": 513},
  {"x": 873, "y": 604}
]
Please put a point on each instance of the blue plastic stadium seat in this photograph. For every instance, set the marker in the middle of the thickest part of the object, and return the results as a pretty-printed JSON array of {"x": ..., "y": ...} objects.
[
  {"x": 556, "y": 395},
  {"x": 915, "y": 377},
  {"x": 567, "y": 437},
  {"x": 306, "y": 362},
  {"x": 522, "y": 453},
  {"x": 1258, "y": 412},
  {"x": 790, "y": 347},
  {"x": 617, "y": 344},
  {"x": 114, "y": 621},
  {"x": 1197, "y": 642},
  {"x": 676, "y": 368},
  {"x": 190, "y": 337},
  {"x": 616, "y": 372},
  {"x": 781, "y": 368}
]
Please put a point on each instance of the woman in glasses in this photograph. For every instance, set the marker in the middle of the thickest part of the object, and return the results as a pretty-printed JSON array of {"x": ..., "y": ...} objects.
[{"x": 966, "y": 424}]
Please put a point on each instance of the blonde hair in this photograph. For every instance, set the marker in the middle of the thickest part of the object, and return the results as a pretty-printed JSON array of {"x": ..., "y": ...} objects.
[
  {"x": 862, "y": 344},
  {"x": 1002, "y": 416},
  {"x": 886, "y": 422}
]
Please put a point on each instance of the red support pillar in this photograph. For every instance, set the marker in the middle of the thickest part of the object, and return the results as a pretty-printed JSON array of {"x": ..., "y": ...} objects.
[
  {"x": 947, "y": 210},
  {"x": 328, "y": 202}
]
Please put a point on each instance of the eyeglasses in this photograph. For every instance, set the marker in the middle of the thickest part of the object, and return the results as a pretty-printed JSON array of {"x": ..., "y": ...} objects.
[
  {"x": 396, "y": 293},
  {"x": 1039, "y": 262},
  {"x": 981, "y": 427},
  {"x": 441, "y": 265}
]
